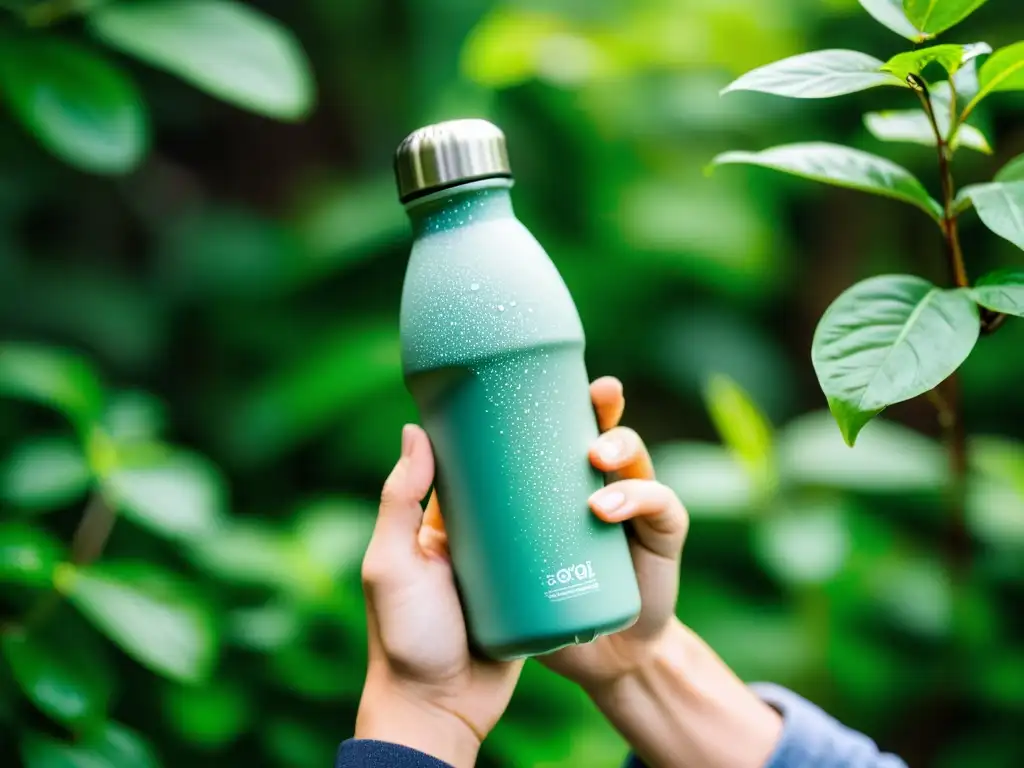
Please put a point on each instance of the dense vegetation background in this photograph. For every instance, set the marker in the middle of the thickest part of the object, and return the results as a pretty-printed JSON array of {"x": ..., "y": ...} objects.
[{"x": 225, "y": 276}]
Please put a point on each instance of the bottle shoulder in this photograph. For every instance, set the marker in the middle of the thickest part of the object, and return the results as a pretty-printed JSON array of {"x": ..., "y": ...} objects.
[{"x": 482, "y": 289}]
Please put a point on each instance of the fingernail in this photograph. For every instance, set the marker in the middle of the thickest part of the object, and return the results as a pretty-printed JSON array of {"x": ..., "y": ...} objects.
[
  {"x": 608, "y": 501},
  {"x": 407, "y": 437},
  {"x": 609, "y": 450}
]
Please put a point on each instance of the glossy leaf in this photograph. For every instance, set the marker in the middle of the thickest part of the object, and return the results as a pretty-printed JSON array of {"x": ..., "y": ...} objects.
[
  {"x": 888, "y": 339},
  {"x": 816, "y": 75},
  {"x": 150, "y": 613},
  {"x": 806, "y": 544},
  {"x": 711, "y": 479},
  {"x": 1012, "y": 171},
  {"x": 44, "y": 473},
  {"x": 58, "y": 678},
  {"x": 950, "y": 56},
  {"x": 1003, "y": 71},
  {"x": 113, "y": 746},
  {"x": 1001, "y": 291},
  {"x": 890, "y": 13},
  {"x": 227, "y": 48},
  {"x": 211, "y": 716},
  {"x": 843, "y": 167},
  {"x": 52, "y": 377},
  {"x": 179, "y": 495},
  {"x": 133, "y": 415},
  {"x": 914, "y": 127},
  {"x": 887, "y": 459},
  {"x": 742, "y": 426},
  {"x": 966, "y": 81},
  {"x": 1000, "y": 207},
  {"x": 935, "y": 16},
  {"x": 27, "y": 555},
  {"x": 76, "y": 104}
]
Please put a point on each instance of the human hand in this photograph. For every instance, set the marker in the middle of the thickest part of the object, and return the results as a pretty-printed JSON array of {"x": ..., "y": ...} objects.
[
  {"x": 659, "y": 684},
  {"x": 423, "y": 689},
  {"x": 658, "y": 526}
]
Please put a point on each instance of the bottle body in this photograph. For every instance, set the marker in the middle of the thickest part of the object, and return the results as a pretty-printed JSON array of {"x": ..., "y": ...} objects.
[{"x": 492, "y": 350}]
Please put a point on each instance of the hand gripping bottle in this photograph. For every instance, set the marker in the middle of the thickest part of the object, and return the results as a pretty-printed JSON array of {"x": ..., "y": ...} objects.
[{"x": 492, "y": 352}]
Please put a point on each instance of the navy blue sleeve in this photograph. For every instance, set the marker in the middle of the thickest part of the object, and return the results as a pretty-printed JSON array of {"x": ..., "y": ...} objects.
[{"x": 365, "y": 753}]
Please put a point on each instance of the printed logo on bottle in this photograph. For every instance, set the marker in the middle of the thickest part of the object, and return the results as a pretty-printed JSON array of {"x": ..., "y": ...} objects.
[{"x": 571, "y": 581}]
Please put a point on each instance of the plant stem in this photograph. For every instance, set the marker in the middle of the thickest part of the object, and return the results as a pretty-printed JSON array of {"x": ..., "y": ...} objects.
[
  {"x": 948, "y": 401},
  {"x": 949, "y": 226},
  {"x": 87, "y": 544}
]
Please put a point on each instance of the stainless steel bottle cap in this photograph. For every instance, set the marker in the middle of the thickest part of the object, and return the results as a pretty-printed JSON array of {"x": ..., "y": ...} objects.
[{"x": 449, "y": 153}]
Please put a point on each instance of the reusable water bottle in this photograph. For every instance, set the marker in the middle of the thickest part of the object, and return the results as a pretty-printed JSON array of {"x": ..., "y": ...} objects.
[{"x": 492, "y": 351}]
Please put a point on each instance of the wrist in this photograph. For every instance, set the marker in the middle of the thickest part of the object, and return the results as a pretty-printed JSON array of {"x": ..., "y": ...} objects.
[
  {"x": 680, "y": 704},
  {"x": 395, "y": 714}
]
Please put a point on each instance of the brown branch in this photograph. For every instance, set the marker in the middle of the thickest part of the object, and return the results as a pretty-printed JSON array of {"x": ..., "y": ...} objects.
[
  {"x": 948, "y": 402},
  {"x": 949, "y": 225}
]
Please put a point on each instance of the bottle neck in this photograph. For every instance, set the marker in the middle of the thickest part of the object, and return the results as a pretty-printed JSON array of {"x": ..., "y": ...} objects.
[{"x": 458, "y": 206}]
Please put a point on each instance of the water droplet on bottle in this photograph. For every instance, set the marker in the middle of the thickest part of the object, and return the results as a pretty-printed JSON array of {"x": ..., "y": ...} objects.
[
  {"x": 501, "y": 307},
  {"x": 513, "y": 304},
  {"x": 474, "y": 286}
]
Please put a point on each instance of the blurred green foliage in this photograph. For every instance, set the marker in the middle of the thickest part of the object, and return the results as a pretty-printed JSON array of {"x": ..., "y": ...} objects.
[{"x": 199, "y": 332}]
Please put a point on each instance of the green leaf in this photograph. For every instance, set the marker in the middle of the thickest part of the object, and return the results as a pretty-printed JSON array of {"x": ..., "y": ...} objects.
[
  {"x": 889, "y": 13},
  {"x": 912, "y": 126},
  {"x": 935, "y": 16},
  {"x": 82, "y": 109},
  {"x": 1012, "y": 171},
  {"x": 1004, "y": 71},
  {"x": 742, "y": 426},
  {"x": 333, "y": 534},
  {"x": 150, "y": 613},
  {"x": 1001, "y": 291},
  {"x": 66, "y": 684},
  {"x": 134, "y": 415},
  {"x": 52, "y": 377},
  {"x": 889, "y": 339},
  {"x": 887, "y": 459},
  {"x": 1000, "y": 206},
  {"x": 226, "y": 48},
  {"x": 806, "y": 544},
  {"x": 710, "y": 478},
  {"x": 114, "y": 746},
  {"x": 951, "y": 57},
  {"x": 210, "y": 716},
  {"x": 313, "y": 389},
  {"x": 816, "y": 75},
  {"x": 178, "y": 494},
  {"x": 44, "y": 473},
  {"x": 247, "y": 552},
  {"x": 27, "y": 555},
  {"x": 843, "y": 167}
]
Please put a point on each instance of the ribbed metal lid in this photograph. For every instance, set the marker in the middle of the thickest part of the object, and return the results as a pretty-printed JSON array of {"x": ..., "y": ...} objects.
[{"x": 449, "y": 153}]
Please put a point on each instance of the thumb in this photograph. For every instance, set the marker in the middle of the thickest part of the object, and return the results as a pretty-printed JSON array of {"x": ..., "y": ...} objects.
[{"x": 400, "y": 512}]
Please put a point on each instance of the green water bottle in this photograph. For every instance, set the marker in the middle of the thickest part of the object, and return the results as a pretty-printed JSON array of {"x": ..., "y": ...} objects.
[{"x": 492, "y": 351}]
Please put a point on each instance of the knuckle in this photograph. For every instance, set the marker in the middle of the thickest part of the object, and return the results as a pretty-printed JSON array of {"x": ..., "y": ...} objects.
[
  {"x": 674, "y": 513},
  {"x": 391, "y": 491}
]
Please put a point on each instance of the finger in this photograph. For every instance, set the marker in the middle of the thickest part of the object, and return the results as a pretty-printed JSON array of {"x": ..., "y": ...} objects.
[
  {"x": 621, "y": 451},
  {"x": 609, "y": 401},
  {"x": 400, "y": 515},
  {"x": 433, "y": 537},
  {"x": 660, "y": 521},
  {"x": 432, "y": 516}
]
